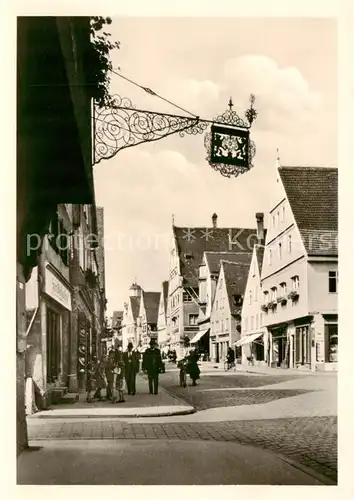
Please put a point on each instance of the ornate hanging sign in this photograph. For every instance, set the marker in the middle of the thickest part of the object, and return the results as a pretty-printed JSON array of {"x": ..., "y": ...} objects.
[{"x": 229, "y": 147}]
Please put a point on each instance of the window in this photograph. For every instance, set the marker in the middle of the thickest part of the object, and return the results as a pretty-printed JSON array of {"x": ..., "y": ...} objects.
[
  {"x": 186, "y": 297},
  {"x": 257, "y": 321},
  {"x": 254, "y": 269},
  {"x": 222, "y": 326},
  {"x": 217, "y": 305},
  {"x": 265, "y": 297},
  {"x": 289, "y": 243},
  {"x": 256, "y": 293},
  {"x": 252, "y": 322},
  {"x": 332, "y": 281},
  {"x": 278, "y": 218},
  {"x": 270, "y": 257},
  {"x": 250, "y": 297},
  {"x": 273, "y": 220},
  {"x": 246, "y": 324},
  {"x": 174, "y": 322},
  {"x": 279, "y": 249},
  {"x": 283, "y": 289},
  {"x": 295, "y": 282},
  {"x": 237, "y": 300},
  {"x": 283, "y": 214},
  {"x": 274, "y": 293},
  {"x": 193, "y": 318}
]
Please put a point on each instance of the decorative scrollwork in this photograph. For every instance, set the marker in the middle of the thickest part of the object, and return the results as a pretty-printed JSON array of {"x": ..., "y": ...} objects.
[{"x": 122, "y": 126}]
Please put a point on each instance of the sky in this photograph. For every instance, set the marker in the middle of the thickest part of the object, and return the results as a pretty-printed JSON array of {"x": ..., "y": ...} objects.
[{"x": 290, "y": 64}]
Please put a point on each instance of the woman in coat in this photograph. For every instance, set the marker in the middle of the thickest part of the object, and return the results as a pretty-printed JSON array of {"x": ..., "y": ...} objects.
[{"x": 192, "y": 367}]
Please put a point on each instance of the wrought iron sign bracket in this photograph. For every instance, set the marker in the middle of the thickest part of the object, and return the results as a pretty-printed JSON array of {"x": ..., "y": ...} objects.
[{"x": 228, "y": 145}]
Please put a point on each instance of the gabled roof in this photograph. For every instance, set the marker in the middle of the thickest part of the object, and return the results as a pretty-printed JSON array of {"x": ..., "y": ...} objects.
[
  {"x": 193, "y": 242},
  {"x": 259, "y": 257},
  {"x": 214, "y": 258},
  {"x": 236, "y": 275},
  {"x": 151, "y": 304},
  {"x": 313, "y": 196},
  {"x": 135, "y": 306}
]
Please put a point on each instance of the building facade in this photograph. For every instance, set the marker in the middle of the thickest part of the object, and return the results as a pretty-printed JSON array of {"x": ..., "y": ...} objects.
[
  {"x": 253, "y": 333},
  {"x": 162, "y": 335},
  {"x": 148, "y": 316},
  {"x": 300, "y": 270},
  {"x": 188, "y": 247},
  {"x": 226, "y": 309},
  {"x": 65, "y": 326},
  {"x": 131, "y": 328}
]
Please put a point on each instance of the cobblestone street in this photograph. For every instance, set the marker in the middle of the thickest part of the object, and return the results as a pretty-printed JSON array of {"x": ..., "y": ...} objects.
[
  {"x": 304, "y": 438},
  {"x": 309, "y": 441}
]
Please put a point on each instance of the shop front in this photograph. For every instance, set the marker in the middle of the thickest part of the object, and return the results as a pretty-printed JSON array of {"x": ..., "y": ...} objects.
[{"x": 55, "y": 322}]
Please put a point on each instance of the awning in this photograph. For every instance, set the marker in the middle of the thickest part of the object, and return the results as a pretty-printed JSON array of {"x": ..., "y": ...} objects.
[
  {"x": 199, "y": 336},
  {"x": 248, "y": 339}
]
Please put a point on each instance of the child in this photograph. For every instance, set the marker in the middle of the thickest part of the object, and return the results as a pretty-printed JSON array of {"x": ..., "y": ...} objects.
[
  {"x": 182, "y": 365},
  {"x": 118, "y": 378}
]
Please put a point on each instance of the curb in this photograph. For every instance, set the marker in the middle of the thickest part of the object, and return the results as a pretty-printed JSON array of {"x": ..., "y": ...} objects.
[{"x": 186, "y": 411}]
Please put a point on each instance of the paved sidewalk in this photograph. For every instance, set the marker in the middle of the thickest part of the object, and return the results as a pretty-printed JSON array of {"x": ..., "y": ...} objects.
[
  {"x": 208, "y": 367},
  {"x": 142, "y": 404}
]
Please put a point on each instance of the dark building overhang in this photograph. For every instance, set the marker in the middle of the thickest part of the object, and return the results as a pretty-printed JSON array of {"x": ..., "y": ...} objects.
[{"x": 54, "y": 144}]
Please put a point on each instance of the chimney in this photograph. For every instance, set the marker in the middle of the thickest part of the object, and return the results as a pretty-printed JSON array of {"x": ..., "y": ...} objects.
[
  {"x": 215, "y": 220},
  {"x": 260, "y": 226}
]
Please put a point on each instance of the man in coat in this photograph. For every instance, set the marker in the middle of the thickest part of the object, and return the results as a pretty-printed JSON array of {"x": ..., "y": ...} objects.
[
  {"x": 152, "y": 364},
  {"x": 131, "y": 362}
]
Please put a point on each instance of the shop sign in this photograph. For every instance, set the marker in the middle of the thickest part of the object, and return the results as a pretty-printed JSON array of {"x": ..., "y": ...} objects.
[{"x": 57, "y": 290}]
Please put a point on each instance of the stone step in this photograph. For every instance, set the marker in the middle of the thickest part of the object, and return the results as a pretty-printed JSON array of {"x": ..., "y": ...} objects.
[
  {"x": 69, "y": 398},
  {"x": 57, "y": 393}
]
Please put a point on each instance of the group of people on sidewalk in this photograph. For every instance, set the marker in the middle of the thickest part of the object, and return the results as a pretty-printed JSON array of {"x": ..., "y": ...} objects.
[{"x": 117, "y": 368}]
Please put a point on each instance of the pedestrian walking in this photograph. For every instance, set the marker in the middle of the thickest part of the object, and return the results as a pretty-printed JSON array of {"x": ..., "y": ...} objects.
[
  {"x": 192, "y": 367},
  {"x": 152, "y": 365},
  {"x": 131, "y": 364},
  {"x": 230, "y": 358},
  {"x": 118, "y": 378},
  {"x": 109, "y": 367}
]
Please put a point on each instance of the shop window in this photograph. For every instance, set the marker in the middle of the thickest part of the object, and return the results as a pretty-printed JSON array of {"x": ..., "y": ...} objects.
[
  {"x": 331, "y": 343},
  {"x": 332, "y": 281},
  {"x": 53, "y": 346}
]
